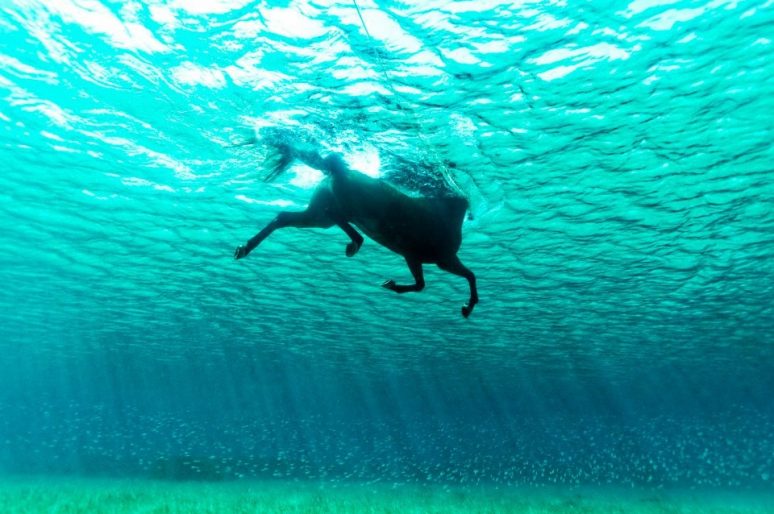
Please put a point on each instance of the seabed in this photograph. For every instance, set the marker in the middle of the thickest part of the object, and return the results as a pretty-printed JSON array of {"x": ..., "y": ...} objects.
[{"x": 25, "y": 495}]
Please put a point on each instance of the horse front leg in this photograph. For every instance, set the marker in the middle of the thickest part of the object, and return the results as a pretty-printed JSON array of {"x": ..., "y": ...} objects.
[
  {"x": 305, "y": 219},
  {"x": 415, "y": 266},
  {"x": 354, "y": 235}
]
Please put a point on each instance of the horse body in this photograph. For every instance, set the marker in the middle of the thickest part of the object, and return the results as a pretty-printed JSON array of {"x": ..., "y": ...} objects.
[
  {"x": 422, "y": 230},
  {"x": 428, "y": 229}
]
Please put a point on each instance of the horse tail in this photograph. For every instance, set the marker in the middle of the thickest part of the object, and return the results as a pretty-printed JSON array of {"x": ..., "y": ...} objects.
[{"x": 455, "y": 207}]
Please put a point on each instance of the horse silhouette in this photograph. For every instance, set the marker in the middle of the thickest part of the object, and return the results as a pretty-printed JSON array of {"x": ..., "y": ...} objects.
[{"x": 423, "y": 230}]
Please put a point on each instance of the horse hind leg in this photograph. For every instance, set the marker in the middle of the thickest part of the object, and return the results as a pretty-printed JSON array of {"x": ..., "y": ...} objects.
[{"x": 453, "y": 265}]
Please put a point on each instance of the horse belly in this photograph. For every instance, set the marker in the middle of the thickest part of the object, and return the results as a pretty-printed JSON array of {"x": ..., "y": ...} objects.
[
  {"x": 412, "y": 227},
  {"x": 427, "y": 240}
]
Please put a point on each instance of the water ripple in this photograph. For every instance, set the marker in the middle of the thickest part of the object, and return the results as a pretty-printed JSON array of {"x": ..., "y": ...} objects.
[{"x": 618, "y": 161}]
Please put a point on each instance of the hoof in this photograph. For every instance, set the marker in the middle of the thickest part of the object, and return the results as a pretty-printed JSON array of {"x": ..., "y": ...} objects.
[
  {"x": 466, "y": 310},
  {"x": 352, "y": 249},
  {"x": 240, "y": 252},
  {"x": 389, "y": 284}
]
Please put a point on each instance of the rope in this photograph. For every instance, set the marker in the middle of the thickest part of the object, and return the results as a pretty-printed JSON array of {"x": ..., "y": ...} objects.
[
  {"x": 429, "y": 148},
  {"x": 362, "y": 21}
]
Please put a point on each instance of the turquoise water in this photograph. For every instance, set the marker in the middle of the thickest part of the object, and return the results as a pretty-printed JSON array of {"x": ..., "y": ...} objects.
[{"x": 618, "y": 162}]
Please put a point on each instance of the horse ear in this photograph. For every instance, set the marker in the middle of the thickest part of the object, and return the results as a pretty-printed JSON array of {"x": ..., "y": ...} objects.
[{"x": 334, "y": 164}]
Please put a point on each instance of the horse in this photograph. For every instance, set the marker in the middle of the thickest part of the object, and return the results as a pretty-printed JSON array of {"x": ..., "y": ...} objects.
[{"x": 424, "y": 230}]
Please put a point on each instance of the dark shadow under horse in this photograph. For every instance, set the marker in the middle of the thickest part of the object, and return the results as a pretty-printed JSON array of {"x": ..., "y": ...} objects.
[{"x": 423, "y": 230}]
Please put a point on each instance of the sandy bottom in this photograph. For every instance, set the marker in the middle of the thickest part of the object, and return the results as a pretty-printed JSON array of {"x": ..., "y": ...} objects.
[{"x": 58, "y": 495}]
